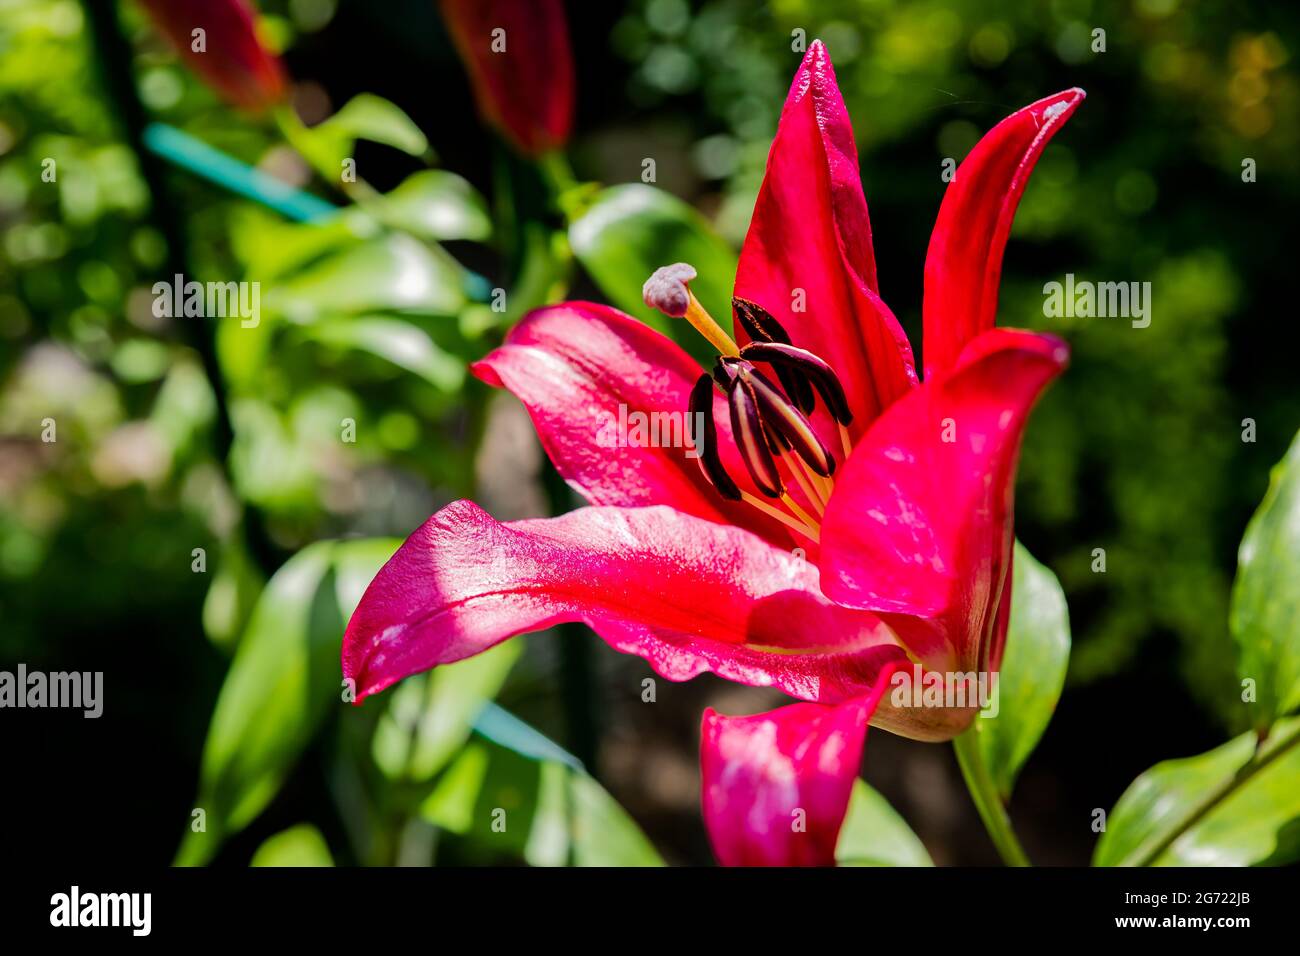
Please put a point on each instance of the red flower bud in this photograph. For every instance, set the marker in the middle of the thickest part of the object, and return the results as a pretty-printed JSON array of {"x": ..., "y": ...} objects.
[
  {"x": 227, "y": 53},
  {"x": 520, "y": 66}
]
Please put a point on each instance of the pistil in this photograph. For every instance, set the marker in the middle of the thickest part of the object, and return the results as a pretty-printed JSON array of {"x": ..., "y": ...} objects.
[{"x": 667, "y": 290}]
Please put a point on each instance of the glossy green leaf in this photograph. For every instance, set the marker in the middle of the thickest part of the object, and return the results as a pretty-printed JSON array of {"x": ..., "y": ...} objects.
[
  {"x": 282, "y": 681},
  {"x": 1243, "y": 808},
  {"x": 405, "y": 345},
  {"x": 435, "y": 204},
  {"x": 297, "y": 846},
  {"x": 629, "y": 231},
  {"x": 494, "y": 797},
  {"x": 1032, "y": 674},
  {"x": 874, "y": 834},
  {"x": 365, "y": 116},
  {"x": 431, "y": 715},
  {"x": 546, "y": 812},
  {"x": 389, "y": 273},
  {"x": 1265, "y": 615}
]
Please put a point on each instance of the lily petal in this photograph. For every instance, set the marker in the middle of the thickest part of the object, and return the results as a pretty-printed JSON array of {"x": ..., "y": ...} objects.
[
  {"x": 964, "y": 263},
  {"x": 810, "y": 240},
  {"x": 586, "y": 372},
  {"x": 686, "y": 594},
  {"x": 920, "y": 522},
  {"x": 776, "y": 786}
]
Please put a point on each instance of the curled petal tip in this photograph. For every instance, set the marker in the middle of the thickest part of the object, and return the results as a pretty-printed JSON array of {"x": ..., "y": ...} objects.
[
  {"x": 1064, "y": 103},
  {"x": 666, "y": 290}
]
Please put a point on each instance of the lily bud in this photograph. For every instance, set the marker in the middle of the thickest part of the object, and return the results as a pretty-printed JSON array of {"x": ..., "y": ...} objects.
[
  {"x": 227, "y": 54},
  {"x": 520, "y": 67}
]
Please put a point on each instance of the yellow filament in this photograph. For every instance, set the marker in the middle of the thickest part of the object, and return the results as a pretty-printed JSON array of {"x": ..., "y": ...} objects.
[
  {"x": 844, "y": 440},
  {"x": 799, "y": 513},
  {"x": 808, "y": 531},
  {"x": 704, "y": 324},
  {"x": 821, "y": 486},
  {"x": 811, "y": 493}
]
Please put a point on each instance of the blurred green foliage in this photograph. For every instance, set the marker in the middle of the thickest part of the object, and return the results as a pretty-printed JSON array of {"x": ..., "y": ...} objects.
[{"x": 371, "y": 314}]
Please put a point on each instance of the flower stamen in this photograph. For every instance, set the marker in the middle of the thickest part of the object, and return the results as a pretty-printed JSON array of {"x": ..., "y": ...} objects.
[
  {"x": 809, "y": 490},
  {"x": 776, "y": 441},
  {"x": 810, "y": 530}
]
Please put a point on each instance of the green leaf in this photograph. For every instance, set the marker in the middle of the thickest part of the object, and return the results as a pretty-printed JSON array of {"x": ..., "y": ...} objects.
[
  {"x": 435, "y": 204},
  {"x": 242, "y": 352},
  {"x": 405, "y": 345},
  {"x": 874, "y": 834},
  {"x": 430, "y": 716},
  {"x": 546, "y": 812},
  {"x": 301, "y": 845},
  {"x": 390, "y": 273},
  {"x": 629, "y": 231},
  {"x": 603, "y": 833},
  {"x": 271, "y": 247},
  {"x": 365, "y": 116},
  {"x": 1032, "y": 672},
  {"x": 231, "y": 596},
  {"x": 1265, "y": 615},
  {"x": 282, "y": 682},
  {"x": 1228, "y": 807},
  {"x": 494, "y": 797},
  {"x": 270, "y": 467}
]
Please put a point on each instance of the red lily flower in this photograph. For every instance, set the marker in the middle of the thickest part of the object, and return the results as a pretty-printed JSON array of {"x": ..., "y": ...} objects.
[
  {"x": 824, "y": 544},
  {"x": 232, "y": 60},
  {"x": 520, "y": 67}
]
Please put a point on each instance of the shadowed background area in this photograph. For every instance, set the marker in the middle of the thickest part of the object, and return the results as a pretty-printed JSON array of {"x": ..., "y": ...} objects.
[{"x": 1139, "y": 449}]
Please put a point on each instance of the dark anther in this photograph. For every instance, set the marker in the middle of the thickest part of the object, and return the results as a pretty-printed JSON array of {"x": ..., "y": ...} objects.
[
  {"x": 761, "y": 326},
  {"x": 781, "y": 417},
  {"x": 701, "y": 404},
  {"x": 751, "y": 439},
  {"x": 758, "y": 323},
  {"x": 765, "y": 424},
  {"x": 807, "y": 368}
]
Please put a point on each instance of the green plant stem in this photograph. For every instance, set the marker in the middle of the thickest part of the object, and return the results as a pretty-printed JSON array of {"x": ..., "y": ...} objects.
[
  {"x": 1268, "y": 750},
  {"x": 987, "y": 799},
  {"x": 556, "y": 172}
]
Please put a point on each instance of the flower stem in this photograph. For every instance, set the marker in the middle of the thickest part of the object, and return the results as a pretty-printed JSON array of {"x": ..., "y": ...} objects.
[{"x": 987, "y": 799}]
